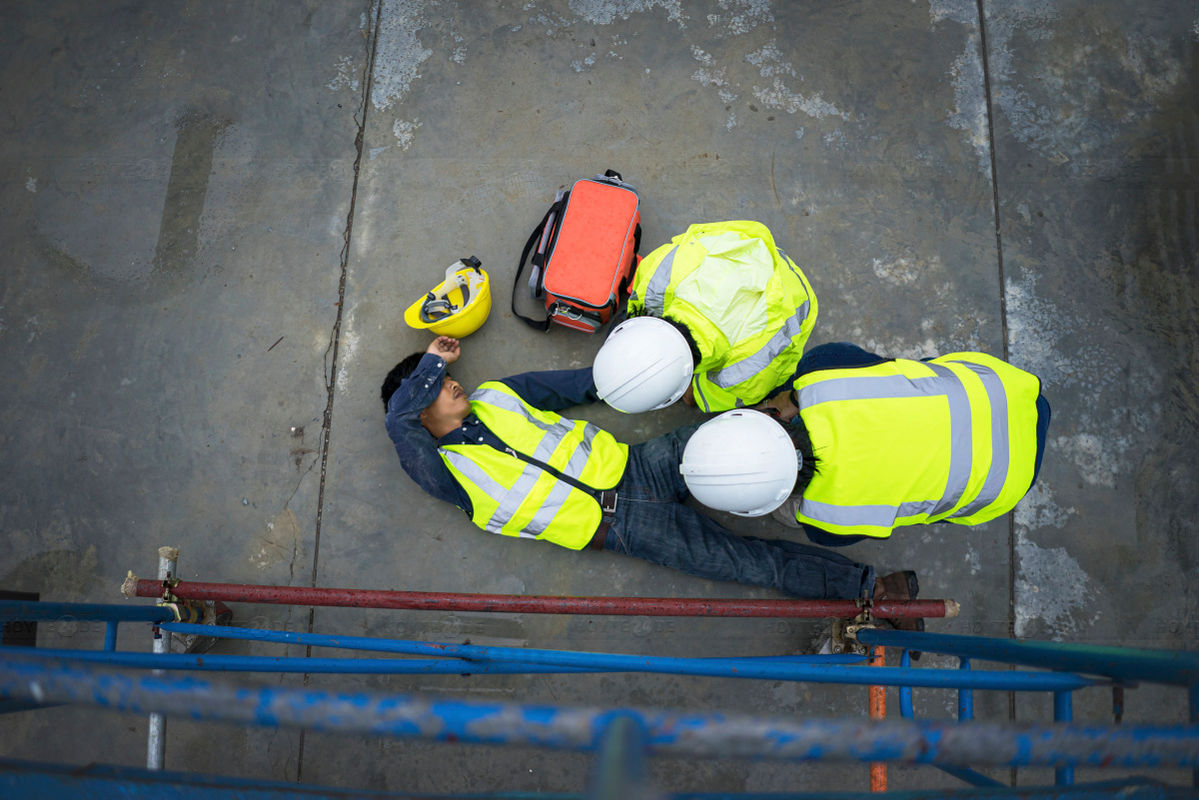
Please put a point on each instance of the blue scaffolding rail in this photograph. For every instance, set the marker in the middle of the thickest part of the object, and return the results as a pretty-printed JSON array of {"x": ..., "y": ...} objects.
[{"x": 621, "y": 737}]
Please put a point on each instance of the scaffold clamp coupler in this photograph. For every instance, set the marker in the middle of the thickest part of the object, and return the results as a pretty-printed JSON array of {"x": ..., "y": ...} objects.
[
  {"x": 849, "y": 634},
  {"x": 167, "y": 585},
  {"x": 844, "y": 635},
  {"x": 184, "y": 610}
]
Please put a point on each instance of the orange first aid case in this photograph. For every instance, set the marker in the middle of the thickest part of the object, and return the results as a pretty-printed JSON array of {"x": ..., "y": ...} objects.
[{"x": 584, "y": 253}]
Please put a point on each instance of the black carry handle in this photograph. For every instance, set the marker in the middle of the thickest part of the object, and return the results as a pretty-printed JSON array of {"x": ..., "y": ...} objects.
[
  {"x": 541, "y": 325},
  {"x": 612, "y": 176}
]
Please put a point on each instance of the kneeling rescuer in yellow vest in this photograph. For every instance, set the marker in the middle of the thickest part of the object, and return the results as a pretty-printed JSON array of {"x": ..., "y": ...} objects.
[
  {"x": 722, "y": 301},
  {"x": 890, "y": 442}
]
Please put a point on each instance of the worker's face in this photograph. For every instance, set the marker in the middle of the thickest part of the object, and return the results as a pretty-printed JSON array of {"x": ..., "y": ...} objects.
[{"x": 448, "y": 410}]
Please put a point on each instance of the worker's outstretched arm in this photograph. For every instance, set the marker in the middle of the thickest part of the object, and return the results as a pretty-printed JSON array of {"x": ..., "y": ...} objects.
[{"x": 554, "y": 390}]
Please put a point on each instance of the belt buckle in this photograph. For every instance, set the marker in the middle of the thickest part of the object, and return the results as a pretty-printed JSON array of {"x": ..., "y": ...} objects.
[{"x": 607, "y": 501}]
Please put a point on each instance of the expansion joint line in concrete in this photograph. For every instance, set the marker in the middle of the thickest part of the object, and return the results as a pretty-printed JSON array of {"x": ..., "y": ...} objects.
[
  {"x": 982, "y": 29},
  {"x": 331, "y": 354},
  {"x": 1003, "y": 323}
]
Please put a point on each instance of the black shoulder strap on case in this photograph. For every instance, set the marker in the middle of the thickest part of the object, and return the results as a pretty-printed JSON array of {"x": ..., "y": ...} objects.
[{"x": 541, "y": 325}]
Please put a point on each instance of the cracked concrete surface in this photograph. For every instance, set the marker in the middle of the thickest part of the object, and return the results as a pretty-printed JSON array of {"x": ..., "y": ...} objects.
[{"x": 215, "y": 215}]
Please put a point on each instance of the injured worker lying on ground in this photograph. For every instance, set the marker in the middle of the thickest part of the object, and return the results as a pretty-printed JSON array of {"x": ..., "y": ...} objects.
[{"x": 517, "y": 468}]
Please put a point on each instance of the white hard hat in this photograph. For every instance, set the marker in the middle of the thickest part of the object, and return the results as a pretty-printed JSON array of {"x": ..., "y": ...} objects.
[
  {"x": 644, "y": 364},
  {"x": 742, "y": 461}
]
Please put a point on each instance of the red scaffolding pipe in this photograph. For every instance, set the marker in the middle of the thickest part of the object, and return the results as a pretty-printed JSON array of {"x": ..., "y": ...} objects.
[{"x": 523, "y": 604}]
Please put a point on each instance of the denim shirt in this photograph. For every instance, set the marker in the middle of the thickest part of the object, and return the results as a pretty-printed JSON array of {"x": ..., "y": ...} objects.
[{"x": 551, "y": 390}]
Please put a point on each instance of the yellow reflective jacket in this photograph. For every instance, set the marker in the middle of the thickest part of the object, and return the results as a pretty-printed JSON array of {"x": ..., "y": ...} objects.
[
  {"x": 511, "y": 496},
  {"x": 748, "y": 306},
  {"x": 908, "y": 442}
]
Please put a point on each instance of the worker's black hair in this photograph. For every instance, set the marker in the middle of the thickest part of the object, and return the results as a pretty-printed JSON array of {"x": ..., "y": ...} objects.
[
  {"x": 803, "y": 443},
  {"x": 398, "y": 374},
  {"x": 683, "y": 329}
]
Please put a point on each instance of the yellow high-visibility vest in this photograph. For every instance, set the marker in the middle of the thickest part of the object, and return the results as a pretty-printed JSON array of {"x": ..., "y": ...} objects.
[
  {"x": 748, "y": 306},
  {"x": 513, "y": 497},
  {"x": 908, "y": 442}
]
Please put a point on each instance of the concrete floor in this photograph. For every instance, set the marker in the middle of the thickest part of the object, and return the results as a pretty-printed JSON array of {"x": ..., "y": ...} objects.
[{"x": 214, "y": 215}]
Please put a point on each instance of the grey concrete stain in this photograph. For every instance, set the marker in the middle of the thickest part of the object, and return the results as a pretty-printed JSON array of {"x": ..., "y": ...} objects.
[
  {"x": 606, "y": 12},
  {"x": 196, "y": 136},
  {"x": 1068, "y": 111},
  {"x": 279, "y": 543},
  {"x": 400, "y": 53},
  {"x": 1158, "y": 276},
  {"x": 1133, "y": 362},
  {"x": 1055, "y": 597},
  {"x": 56, "y": 571}
]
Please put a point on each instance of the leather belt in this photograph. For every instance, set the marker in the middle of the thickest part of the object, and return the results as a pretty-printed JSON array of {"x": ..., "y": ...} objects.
[{"x": 607, "y": 502}]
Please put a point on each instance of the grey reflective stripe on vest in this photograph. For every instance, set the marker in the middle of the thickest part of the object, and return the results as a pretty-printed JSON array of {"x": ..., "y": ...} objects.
[
  {"x": 508, "y": 402},
  {"x": 961, "y": 447},
  {"x": 698, "y": 395},
  {"x": 751, "y": 365},
  {"x": 549, "y": 507},
  {"x": 555, "y": 431},
  {"x": 961, "y": 440},
  {"x": 1000, "y": 456},
  {"x": 877, "y": 516},
  {"x": 655, "y": 291},
  {"x": 578, "y": 459},
  {"x": 510, "y": 500},
  {"x": 787, "y": 260},
  {"x": 488, "y": 486}
]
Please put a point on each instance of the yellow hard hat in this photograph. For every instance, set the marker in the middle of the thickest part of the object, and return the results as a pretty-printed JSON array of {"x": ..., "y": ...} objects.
[{"x": 458, "y": 306}]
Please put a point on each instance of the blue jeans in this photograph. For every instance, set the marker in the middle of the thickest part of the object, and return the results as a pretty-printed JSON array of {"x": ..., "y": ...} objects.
[{"x": 652, "y": 523}]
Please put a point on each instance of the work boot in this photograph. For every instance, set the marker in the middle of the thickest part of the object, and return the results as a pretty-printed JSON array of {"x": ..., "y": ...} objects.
[{"x": 896, "y": 586}]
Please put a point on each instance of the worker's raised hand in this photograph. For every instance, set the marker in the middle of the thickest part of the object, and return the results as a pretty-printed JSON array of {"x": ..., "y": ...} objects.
[{"x": 447, "y": 347}]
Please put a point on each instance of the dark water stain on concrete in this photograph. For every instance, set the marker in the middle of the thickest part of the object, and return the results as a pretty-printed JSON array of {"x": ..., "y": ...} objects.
[
  {"x": 174, "y": 264},
  {"x": 1159, "y": 271},
  {"x": 187, "y": 187},
  {"x": 58, "y": 258},
  {"x": 60, "y": 574}
]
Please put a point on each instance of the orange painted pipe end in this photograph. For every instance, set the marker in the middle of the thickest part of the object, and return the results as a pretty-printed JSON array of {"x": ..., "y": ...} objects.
[{"x": 878, "y": 710}]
